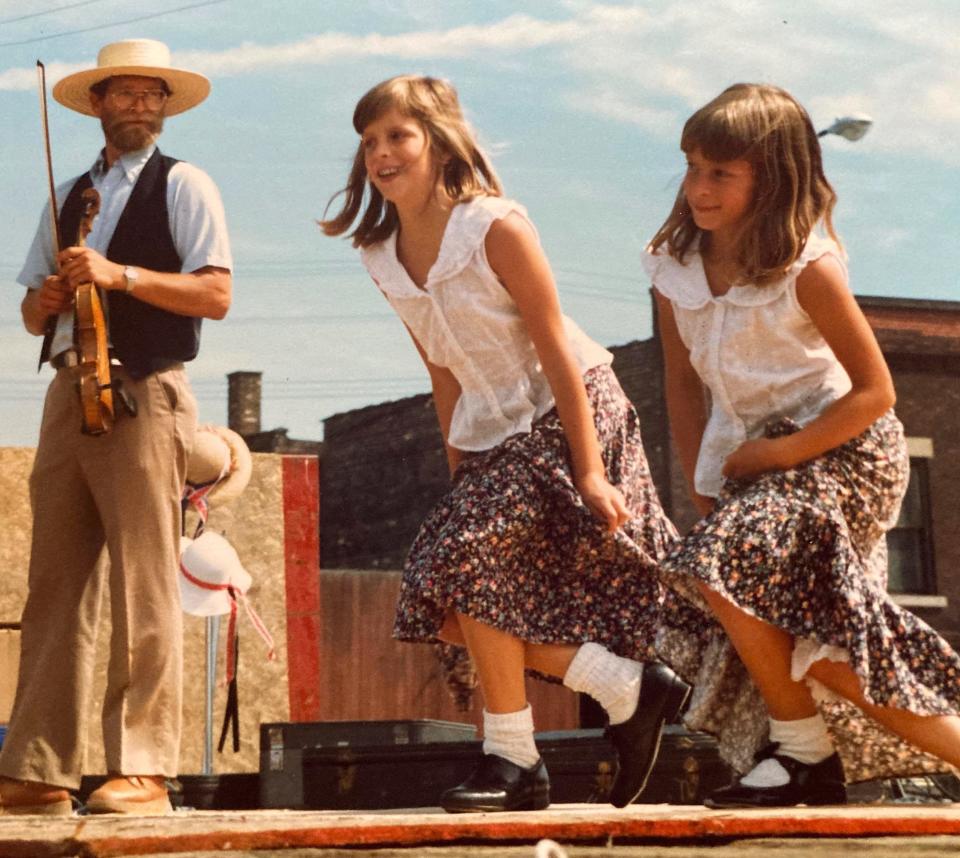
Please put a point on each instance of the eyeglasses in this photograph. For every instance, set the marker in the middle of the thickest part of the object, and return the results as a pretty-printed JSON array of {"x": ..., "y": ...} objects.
[{"x": 124, "y": 99}]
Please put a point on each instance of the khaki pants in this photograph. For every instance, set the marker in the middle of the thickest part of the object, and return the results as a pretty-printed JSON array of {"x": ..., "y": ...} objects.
[{"x": 121, "y": 490}]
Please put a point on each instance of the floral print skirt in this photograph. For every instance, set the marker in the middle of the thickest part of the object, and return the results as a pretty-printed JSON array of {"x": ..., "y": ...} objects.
[
  {"x": 512, "y": 544},
  {"x": 805, "y": 550}
]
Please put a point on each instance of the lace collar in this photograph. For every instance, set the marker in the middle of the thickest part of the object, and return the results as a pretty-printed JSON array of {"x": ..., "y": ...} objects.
[{"x": 685, "y": 283}]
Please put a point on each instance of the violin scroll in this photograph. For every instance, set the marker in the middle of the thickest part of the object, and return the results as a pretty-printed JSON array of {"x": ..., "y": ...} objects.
[{"x": 91, "y": 208}]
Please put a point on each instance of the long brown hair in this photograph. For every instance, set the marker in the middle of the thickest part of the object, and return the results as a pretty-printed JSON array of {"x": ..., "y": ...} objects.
[
  {"x": 461, "y": 163},
  {"x": 767, "y": 127}
]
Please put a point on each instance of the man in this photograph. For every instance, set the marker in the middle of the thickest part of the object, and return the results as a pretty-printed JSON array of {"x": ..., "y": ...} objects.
[{"x": 159, "y": 253}]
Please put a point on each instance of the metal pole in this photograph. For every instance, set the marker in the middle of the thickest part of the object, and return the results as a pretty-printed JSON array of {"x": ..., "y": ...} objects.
[{"x": 212, "y": 640}]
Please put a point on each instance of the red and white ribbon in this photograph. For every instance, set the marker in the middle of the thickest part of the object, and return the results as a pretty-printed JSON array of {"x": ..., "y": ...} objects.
[{"x": 234, "y": 595}]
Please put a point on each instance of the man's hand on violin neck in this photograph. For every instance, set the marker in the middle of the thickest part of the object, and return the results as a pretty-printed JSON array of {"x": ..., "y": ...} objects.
[{"x": 80, "y": 265}]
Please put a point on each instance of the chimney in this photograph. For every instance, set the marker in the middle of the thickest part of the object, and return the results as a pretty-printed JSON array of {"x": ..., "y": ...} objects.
[{"x": 243, "y": 402}]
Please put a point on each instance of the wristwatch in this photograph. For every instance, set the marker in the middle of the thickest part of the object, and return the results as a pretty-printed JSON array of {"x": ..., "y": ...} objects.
[{"x": 130, "y": 275}]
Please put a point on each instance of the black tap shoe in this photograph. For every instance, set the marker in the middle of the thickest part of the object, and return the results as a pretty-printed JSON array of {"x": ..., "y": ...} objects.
[
  {"x": 819, "y": 783},
  {"x": 497, "y": 784},
  {"x": 637, "y": 740}
]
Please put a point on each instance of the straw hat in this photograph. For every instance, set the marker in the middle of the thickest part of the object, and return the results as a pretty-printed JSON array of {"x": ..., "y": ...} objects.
[
  {"x": 219, "y": 456},
  {"x": 145, "y": 57},
  {"x": 213, "y": 562}
]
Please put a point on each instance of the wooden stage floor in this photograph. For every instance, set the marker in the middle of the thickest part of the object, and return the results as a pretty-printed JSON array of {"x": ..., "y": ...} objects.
[{"x": 414, "y": 831}]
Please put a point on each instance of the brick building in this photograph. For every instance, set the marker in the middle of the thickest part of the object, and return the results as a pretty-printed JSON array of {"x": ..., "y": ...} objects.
[
  {"x": 921, "y": 341},
  {"x": 383, "y": 466}
]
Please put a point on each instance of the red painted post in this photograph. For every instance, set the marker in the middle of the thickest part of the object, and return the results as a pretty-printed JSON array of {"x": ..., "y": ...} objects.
[{"x": 301, "y": 524}]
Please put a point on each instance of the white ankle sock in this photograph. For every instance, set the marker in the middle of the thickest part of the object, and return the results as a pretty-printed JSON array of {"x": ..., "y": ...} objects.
[
  {"x": 510, "y": 735},
  {"x": 765, "y": 774},
  {"x": 613, "y": 681},
  {"x": 805, "y": 740}
]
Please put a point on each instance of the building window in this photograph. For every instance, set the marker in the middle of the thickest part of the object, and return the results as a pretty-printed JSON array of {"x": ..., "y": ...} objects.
[{"x": 910, "y": 542}]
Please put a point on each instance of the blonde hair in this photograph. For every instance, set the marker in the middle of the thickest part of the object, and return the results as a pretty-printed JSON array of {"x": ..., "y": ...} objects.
[
  {"x": 461, "y": 163},
  {"x": 767, "y": 127}
]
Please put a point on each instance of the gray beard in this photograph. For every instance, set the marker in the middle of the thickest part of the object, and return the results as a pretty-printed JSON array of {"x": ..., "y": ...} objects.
[{"x": 131, "y": 138}]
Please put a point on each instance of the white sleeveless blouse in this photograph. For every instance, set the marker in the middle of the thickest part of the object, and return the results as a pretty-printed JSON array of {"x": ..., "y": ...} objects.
[
  {"x": 756, "y": 350},
  {"x": 466, "y": 321}
]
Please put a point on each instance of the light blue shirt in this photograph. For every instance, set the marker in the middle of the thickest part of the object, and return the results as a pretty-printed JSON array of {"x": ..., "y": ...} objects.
[{"x": 197, "y": 224}]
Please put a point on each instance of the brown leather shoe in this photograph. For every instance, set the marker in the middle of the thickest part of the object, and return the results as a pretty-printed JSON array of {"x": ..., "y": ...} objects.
[
  {"x": 33, "y": 797},
  {"x": 145, "y": 795}
]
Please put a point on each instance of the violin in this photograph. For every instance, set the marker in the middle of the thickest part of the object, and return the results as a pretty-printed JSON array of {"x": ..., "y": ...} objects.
[
  {"x": 93, "y": 382},
  {"x": 96, "y": 391}
]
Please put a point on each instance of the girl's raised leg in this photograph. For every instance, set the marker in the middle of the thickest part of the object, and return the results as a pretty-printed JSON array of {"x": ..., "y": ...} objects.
[
  {"x": 800, "y": 765},
  {"x": 766, "y": 652},
  {"x": 936, "y": 734}
]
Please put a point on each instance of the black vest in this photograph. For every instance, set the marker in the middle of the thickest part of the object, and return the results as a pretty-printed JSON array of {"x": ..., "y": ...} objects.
[{"x": 145, "y": 338}]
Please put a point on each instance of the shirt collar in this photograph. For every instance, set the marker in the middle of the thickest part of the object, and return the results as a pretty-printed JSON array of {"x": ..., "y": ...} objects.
[{"x": 131, "y": 163}]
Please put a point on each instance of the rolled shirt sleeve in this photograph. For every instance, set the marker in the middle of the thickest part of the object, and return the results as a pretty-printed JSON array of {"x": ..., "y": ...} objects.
[{"x": 198, "y": 223}]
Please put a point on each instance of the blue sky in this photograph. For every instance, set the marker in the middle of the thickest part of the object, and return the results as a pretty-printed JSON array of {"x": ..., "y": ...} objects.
[{"x": 580, "y": 104}]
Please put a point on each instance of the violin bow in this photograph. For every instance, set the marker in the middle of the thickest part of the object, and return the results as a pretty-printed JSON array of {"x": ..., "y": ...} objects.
[{"x": 54, "y": 225}]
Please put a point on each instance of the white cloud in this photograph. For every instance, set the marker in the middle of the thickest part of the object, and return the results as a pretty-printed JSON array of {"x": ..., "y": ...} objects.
[
  {"x": 893, "y": 239},
  {"x": 496, "y": 148},
  {"x": 613, "y": 104},
  {"x": 512, "y": 34},
  {"x": 19, "y": 79},
  {"x": 651, "y": 65},
  {"x": 864, "y": 55},
  {"x": 516, "y": 33}
]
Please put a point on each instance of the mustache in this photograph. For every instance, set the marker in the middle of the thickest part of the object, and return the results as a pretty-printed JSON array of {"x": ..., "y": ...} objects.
[
  {"x": 129, "y": 133},
  {"x": 151, "y": 122}
]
